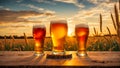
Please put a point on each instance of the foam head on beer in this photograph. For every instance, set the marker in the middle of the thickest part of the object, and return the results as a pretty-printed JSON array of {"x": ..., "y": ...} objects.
[
  {"x": 38, "y": 26},
  {"x": 58, "y": 21},
  {"x": 39, "y": 31},
  {"x": 82, "y": 25},
  {"x": 82, "y": 28}
]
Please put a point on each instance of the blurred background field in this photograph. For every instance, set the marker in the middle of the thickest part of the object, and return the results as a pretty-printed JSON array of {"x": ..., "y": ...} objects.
[{"x": 97, "y": 43}]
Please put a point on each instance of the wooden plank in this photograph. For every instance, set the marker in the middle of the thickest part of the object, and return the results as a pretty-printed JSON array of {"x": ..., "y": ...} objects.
[{"x": 27, "y": 58}]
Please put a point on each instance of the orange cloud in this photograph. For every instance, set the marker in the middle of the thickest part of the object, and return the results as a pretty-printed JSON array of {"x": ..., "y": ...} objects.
[{"x": 7, "y": 16}]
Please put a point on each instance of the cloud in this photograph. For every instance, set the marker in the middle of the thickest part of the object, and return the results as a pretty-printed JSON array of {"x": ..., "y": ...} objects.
[
  {"x": 19, "y": 1},
  {"x": 4, "y": 8},
  {"x": 46, "y": 11},
  {"x": 99, "y": 1},
  {"x": 34, "y": 7},
  {"x": 91, "y": 16},
  {"x": 46, "y": 1},
  {"x": 102, "y": 1},
  {"x": 7, "y": 16},
  {"x": 67, "y": 1},
  {"x": 49, "y": 12},
  {"x": 93, "y": 12},
  {"x": 14, "y": 16},
  {"x": 75, "y": 2}
]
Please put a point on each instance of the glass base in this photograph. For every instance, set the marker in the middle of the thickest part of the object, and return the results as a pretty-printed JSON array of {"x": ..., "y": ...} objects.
[
  {"x": 58, "y": 53},
  {"x": 82, "y": 53},
  {"x": 39, "y": 54}
]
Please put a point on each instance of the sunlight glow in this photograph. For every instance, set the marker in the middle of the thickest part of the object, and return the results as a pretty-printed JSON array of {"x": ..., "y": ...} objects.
[{"x": 70, "y": 32}]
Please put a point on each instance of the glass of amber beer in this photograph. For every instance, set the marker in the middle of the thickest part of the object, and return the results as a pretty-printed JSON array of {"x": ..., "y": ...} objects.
[
  {"x": 82, "y": 32},
  {"x": 39, "y": 32},
  {"x": 58, "y": 31}
]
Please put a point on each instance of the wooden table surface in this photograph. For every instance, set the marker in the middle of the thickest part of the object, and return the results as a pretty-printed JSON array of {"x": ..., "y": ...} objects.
[{"x": 27, "y": 58}]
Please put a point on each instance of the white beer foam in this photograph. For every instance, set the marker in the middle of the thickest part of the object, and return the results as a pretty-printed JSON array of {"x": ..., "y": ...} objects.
[
  {"x": 38, "y": 26},
  {"x": 82, "y": 25},
  {"x": 58, "y": 21}
]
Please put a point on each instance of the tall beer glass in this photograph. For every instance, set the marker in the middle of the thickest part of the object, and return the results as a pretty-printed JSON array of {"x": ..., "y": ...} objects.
[
  {"x": 39, "y": 32},
  {"x": 58, "y": 31},
  {"x": 82, "y": 32}
]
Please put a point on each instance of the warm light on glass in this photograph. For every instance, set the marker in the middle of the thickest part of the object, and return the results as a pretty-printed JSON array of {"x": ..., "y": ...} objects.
[
  {"x": 70, "y": 31},
  {"x": 39, "y": 32},
  {"x": 82, "y": 32},
  {"x": 58, "y": 31}
]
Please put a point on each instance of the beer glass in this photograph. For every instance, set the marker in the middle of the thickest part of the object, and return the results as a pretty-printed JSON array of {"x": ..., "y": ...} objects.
[
  {"x": 58, "y": 31},
  {"x": 39, "y": 32},
  {"x": 82, "y": 32}
]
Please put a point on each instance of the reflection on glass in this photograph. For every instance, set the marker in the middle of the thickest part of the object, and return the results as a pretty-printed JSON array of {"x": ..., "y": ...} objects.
[
  {"x": 58, "y": 31},
  {"x": 39, "y": 32},
  {"x": 82, "y": 32}
]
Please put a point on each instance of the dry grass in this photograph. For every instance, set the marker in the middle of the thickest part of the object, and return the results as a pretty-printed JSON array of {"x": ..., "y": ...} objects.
[
  {"x": 117, "y": 20},
  {"x": 109, "y": 32},
  {"x": 119, "y": 5},
  {"x": 95, "y": 31},
  {"x": 113, "y": 21},
  {"x": 100, "y": 43},
  {"x": 25, "y": 37}
]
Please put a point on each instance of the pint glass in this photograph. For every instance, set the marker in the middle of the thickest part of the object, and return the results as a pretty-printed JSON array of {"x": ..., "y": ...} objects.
[
  {"x": 82, "y": 32},
  {"x": 39, "y": 32},
  {"x": 58, "y": 31}
]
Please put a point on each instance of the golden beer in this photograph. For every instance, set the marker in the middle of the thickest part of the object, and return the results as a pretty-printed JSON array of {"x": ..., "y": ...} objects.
[
  {"x": 58, "y": 31},
  {"x": 82, "y": 32},
  {"x": 39, "y": 32}
]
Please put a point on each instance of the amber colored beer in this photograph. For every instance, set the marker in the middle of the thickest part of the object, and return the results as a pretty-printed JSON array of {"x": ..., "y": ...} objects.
[
  {"x": 58, "y": 31},
  {"x": 39, "y": 32},
  {"x": 82, "y": 32}
]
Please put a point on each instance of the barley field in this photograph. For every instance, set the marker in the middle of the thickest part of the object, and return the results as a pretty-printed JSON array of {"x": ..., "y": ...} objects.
[{"x": 101, "y": 43}]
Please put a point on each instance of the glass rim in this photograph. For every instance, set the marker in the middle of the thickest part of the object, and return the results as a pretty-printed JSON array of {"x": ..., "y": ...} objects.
[
  {"x": 82, "y": 25},
  {"x": 38, "y": 26},
  {"x": 58, "y": 21}
]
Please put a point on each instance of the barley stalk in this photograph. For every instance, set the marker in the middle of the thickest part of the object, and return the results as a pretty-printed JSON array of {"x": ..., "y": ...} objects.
[
  {"x": 95, "y": 31},
  {"x": 25, "y": 37},
  {"x": 5, "y": 40},
  {"x": 117, "y": 20},
  {"x": 113, "y": 22},
  {"x": 119, "y": 5},
  {"x": 109, "y": 32},
  {"x": 12, "y": 41},
  {"x": 100, "y": 23},
  {"x": 2, "y": 48}
]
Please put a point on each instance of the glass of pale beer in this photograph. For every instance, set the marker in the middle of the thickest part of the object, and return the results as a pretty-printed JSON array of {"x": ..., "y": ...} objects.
[
  {"x": 39, "y": 32},
  {"x": 82, "y": 32},
  {"x": 58, "y": 31}
]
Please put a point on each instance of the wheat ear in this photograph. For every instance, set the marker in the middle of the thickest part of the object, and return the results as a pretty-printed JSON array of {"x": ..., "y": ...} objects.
[
  {"x": 100, "y": 23},
  {"x": 109, "y": 32},
  {"x": 113, "y": 21},
  {"x": 25, "y": 37},
  {"x": 117, "y": 20}
]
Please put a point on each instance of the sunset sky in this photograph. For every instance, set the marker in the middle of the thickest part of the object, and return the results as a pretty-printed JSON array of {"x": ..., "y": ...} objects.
[{"x": 18, "y": 16}]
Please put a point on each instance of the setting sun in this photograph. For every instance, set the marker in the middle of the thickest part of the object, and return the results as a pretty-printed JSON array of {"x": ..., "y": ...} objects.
[{"x": 70, "y": 32}]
